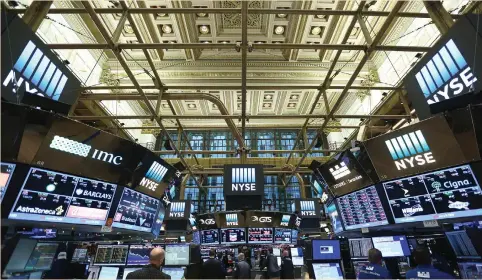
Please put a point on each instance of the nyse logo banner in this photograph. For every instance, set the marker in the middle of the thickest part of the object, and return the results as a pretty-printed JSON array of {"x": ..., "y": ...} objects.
[
  {"x": 409, "y": 150},
  {"x": 153, "y": 176},
  {"x": 339, "y": 171},
  {"x": 177, "y": 209},
  {"x": 285, "y": 220},
  {"x": 232, "y": 219},
  {"x": 307, "y": 208},
  {"x": 244, "y": 179}
]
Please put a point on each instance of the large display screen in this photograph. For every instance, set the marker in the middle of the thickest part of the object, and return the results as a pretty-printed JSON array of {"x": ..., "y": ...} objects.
[
  {"x": 335, "y": 219},
  {"x": 139, "y": 254},
  {"x": 111, "y": 255},
  {"x": 470, "y": 270},
  {"x": 5, "y": 176},
  {"x": 177, "y": 254},
  {"x": 344, "y": 174},
  {"x": 136, "y": 211},
  {"x": 233, "y": 236},
  {"x": 174, "y": 272},
  {"x": 243, "y": 179},
  {"x": 462, "y": 245},
  {"x": 296, "y": 252},
  {"x": 282, "y": 235},
  {"x": 362, "y": 209},
  {"x": 297, "y": 261},
  {"x": 448, "y": 193},
  {"x": 42, "y": 256},
  {"x": 152, "y": 176},
  {"x": 359, "y": 247},
  {"x": 80, "y": 255},
  {"x": 324, "y": 249},
  {"x": 327, "y": 271},
  {"x": 108, "y": 273},
  {"x": 49, "y": 196},
  {"x": 260, "y": 235},
  {"x": 210, "y": 236},
  {"x": 392, "y": 246}
]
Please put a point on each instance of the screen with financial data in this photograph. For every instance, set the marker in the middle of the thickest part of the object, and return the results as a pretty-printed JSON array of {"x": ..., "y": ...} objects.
[
  {"x": 111, "y": 255},
  {"x": 139, "y": 254},
  {"x": 233, "y": 235},
  {"x": 392, "y": 246},
  {"x": 282, "y": 235},
  {"x": 42, "y": 256},
  {"x": 5, "y": 176},
  {"x": 210, "y": 236},
  {"x": 327, "y": 271},
  {"x": 462, "y": 245},
  {"x": 136, "y": 211},
  {"x": 362, "y": 209},
  {"x": 359, "y": 247},
  {"x": 260, "y": 235},
  {"x": 177, "y": 254},
  {"x": 448, "y": 193},
  {"x": 335, "y": 219}
]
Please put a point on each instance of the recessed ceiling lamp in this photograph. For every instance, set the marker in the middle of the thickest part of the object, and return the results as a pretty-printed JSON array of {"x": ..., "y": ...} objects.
[
  {"x": 191, "y": 106},
  {"x": 202, "y": 14},
  {"x": 268, "y": 97},
  {"x": 266, "y": 105},
  {"x": 321, "y": 16},
  {"x": 167, "y": 29},
  {"x": 279, "y": 30},
  {"x": 316, "y": 30},
  {"x": 224, "y": 42},
  {"x": 204, "y": 29},
  {"x": 206, "y": 42},
  {"x": 294, "y": 97},
  {"x": 161, "y": 15},
  {"x": 128, "y": 29},
  {"x": 291, "y": 105},
  {"x": 281, "y": 15}
]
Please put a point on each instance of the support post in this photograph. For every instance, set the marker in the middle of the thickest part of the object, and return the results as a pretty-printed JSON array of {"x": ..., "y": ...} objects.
[
  {"x": 36, "y": 13},
  {"x": 439, "y": 15}
]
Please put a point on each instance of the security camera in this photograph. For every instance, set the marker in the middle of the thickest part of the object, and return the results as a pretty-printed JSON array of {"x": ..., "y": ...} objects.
[
  {"x": 250, "y": 46},
  {"x": 238, "y": 46}
]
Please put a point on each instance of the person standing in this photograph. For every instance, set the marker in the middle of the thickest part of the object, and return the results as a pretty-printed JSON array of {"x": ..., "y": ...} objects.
[
  {"x": 425, "y": 269},
  {"x": 242, "y": 269},
  {"x": 374, "y": 270},
  {"x": 153, "y": 269},
  {"x": 287, "y": 268},
  {"x": 213, "y": 268},
  {"x": 271, "y": 264}
]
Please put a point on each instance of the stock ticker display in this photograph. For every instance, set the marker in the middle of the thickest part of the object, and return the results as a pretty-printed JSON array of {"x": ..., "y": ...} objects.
[
  {"x": 136, "y": 211},
  {"x": 260, "y": 235},
  {"x": 139, "y": 254},
  {"x": 233, "y": 235},
  {"x": 362, "y": 208},
  {"x": 56, "y": 197},
  {"x": 448, "y": 193},
  {"x": 111, "y": 254},
  {"x": 359, "y": 247},
  {"x": 282, "y": 235},
  {"x": 210, "y": 236}
]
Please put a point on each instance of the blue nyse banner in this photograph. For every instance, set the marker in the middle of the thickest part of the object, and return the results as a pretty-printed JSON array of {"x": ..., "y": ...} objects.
[{"x": 243, "y": 179}]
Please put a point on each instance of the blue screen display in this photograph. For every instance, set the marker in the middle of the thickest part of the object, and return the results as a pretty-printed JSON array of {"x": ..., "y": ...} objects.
[
  {"x": 326, "y": 249},
  {"x": 327, "y": 271},
  {"x": 334, "y": 217},
  {"x": 392, "y": 246}
]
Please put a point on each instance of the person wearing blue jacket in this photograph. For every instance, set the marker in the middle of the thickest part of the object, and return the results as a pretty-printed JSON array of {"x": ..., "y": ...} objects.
[
  {"x": 374, "y": 270},
  {"x": 425, "y": 269}
]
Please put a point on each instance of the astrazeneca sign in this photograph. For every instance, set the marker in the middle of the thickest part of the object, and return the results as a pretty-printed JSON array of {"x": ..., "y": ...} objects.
[
  {"x": 246, "y": 179},
  {"x": 448, "y": 70}
]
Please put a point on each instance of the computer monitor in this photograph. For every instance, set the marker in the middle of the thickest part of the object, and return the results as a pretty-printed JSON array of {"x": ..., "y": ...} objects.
[
  {"x": 108, "y": 273},
  {"x": 42, "y": 256},
  {"x": 177, "y": 254},
  {"x": 297, "y": 261},
  {"x": 324, "y": 249},
  {"x": 296, "y": 252},
  {"x": 174, "y": 272},
  {"x": 128, "y": 270},
  {"x": 359, "y": 247},
  {"x": 327, "y": 271},
  {"x": 278, "y": 259},
  {"x": 462, "y": 244},
  {"x": 470, "y": 270},
  {"x": 277, "y": 252},
  {"x": 392, "y": 246}
]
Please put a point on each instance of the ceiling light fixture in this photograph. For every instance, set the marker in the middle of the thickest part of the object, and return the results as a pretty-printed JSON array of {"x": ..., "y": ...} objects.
[
  {"x": 316, "y": 30},
  {"x": 291, "y": 105},
  {"x": 282, "y": 15},
  {"x": 167, "y": 29},
  {"x": 204, "y": 29},
  {"x": 268, "y": 97},
  {"x": 201, "y": 14},
  {"x": 128, "y": 29},
  {"x": 279, "y": 30}
]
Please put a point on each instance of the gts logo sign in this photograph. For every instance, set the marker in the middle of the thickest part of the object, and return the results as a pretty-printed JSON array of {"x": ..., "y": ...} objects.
[
  {"x": 207, "y": 221},
  {"x": 261, "y": 219}
]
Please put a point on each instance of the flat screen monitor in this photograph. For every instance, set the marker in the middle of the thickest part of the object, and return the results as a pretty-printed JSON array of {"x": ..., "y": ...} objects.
[
  {"x": 470, "y": 270},
  {"x": 277, "y": 252},
  {"x": 177, "y": 254},
  {"x": 324, "y": 249},
  {"x": 49, "y": 196},
  {"x": 80, "y": 255},
  {"x": 108, "y": 273},
  {"x": 5, "y": 176},
  {"x": 42, "y": 256},
  {"x": 327, "y": 271},
  {"x": 20, "y": 255},
  {"x": 461, "y": 244},
  {"x": 128, "y": 270},
  {"x": 174, "y": 272},
  {"x": 278, "y": 260},
  {"x": 298, "y": 261},
  {"x": 233, "y": 236},
  {"x": 361, "y": 209},
  {"x": 335, "y": 219},
  {"x": 448, "y": 193},
  {"x": 392, "y": 246},
  {"x": 359, "y": 247},
  {"x": 357, "y": 265},
  {"x": 260, "y": 235},
  {"x": 294, "y": 235},
  {"x": 296, "y": 252},
  {"x": 136, "y": 211},
  {"x": 111, "y": 255},
  {"x": 39, "y": 233},
  {"x": 282, "y": 235},
  {"x": 138, "y": 254}
]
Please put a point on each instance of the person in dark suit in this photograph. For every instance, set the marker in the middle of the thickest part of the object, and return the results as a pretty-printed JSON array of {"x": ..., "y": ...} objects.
[
  {"x": 287, "y": 268},
  {"x": 242, "y": 269},
  {"x": 153, "y": 269},
  {"x": 213, "y": 268},
  {"x": 271, "y": 265}
]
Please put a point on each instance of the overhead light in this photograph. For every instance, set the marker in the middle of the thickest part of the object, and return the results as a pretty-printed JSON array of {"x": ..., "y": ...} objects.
[
  {"x": 294, "y": 97},
  {"x": 321, "y": 16},
  {"x": 166, "y": 29},
  {"x": 128, "y": 29},
  {"x": 291, "y": 105},
  {"x": 224, "y": 42},
  {"x": 266, "y": 105},
  {"x": 316, "y": 30},
  {"x": 201, "y": 14},
  {"x": 268, "y": 97},
  {"x": 204, "y": 29},
  {"x": 191, "y": 106},
  {"x": 281, "y": 15},
  {"x": 279, "y": 30},
  {"x": 206, "y": 42}
]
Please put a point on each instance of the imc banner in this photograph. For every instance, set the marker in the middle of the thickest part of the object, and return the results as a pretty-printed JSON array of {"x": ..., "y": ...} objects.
[
  {"x": 448, "y": 70},
  {"x": 243, "y": 179},
  {"x": 421, "y": 147},
  {"x": 32, "y": 73}
]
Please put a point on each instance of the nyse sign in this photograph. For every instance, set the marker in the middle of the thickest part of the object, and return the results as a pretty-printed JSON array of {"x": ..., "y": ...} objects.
[{"x": 409, "y": 150}]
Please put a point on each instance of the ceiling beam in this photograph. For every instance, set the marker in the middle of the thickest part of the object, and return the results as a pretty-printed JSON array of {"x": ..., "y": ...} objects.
[
  {"x": 244, "y": 66},
  {"x": 238, "y": 87},
  {"x": 261, "y": 126},
  {"x": 220, "y": 117}
]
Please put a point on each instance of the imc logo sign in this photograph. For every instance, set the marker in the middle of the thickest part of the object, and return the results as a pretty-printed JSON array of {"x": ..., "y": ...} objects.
[
  {"x": 153, "y": 176},
  {"x": 243, "y": 179},
  {"x": 177, "y": 209},
  {"x": 285, "y": 220},
  {"x": 231, "y": 219},
  {"x": 37, "y": 74},
  {"x": 80, "y": 149},
  {"x": 446, "y": 75},
  {"x": 409, "y": 150},
  {"x": 307, "y": 208},
  {"x": 339, "y": 171}
]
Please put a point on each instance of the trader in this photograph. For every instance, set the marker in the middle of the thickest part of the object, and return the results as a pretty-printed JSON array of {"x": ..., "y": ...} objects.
[
  {"x": 242, "y": 269},
  {"x": 425, "y": 269},
  {"x": 153, "y": 269},
  {"x": 271, "y": 265},
  {"x": 287, "y": 268},
  {"x": 213, "y": 268},
  {"x": 374, "y": 270}
]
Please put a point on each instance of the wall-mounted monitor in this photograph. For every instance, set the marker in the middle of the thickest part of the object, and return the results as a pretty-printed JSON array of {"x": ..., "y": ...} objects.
[
  {"x": 177, "y": 254},
  {"x": 5, "y": 176},
  {"x": 361, "y": 209},
  {"x": 392, "y": 246},
  {"x": 448, "y": 193},
  {"x": 260, "y": 235},
  {"x": 359, "y": 247},
  {"x": 49, "y": 196},
  {"x": 324, "y": 249},
  {"x": 111, "y": 255},
  {"x": 136, "y": 211},
  {"x": 233, "y": 236},
  {"x": 282, "y": 235},
  {"x": 210, "y": 237},
  {"x": 327, "y": 271}
]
